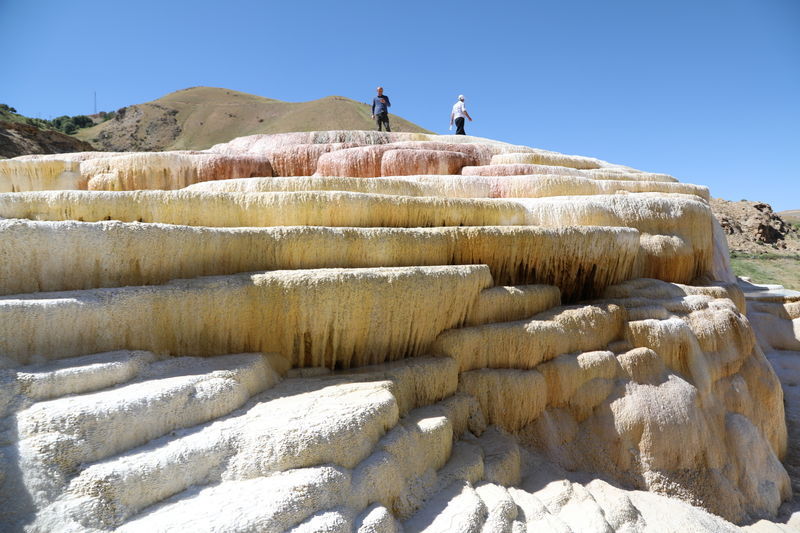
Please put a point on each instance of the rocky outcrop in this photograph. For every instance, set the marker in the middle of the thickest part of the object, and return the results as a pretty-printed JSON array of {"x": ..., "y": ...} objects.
[
  {"x": 416, "y": 350},
  {"x": 752, "y": 227},
  {"x": 19, "y": 139}
]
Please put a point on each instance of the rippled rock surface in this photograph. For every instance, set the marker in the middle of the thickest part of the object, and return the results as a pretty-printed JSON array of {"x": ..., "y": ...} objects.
[{"x": 362, "y": 331}]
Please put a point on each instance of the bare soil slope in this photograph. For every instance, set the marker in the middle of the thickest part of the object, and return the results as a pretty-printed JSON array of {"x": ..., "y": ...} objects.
[
  {"x": 200, "y": 117},
  {"x": 22, "y": 139}
]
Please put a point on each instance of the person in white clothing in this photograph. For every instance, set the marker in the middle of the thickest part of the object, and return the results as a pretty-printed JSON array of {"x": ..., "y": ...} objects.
[{"x": 458, "y": 114}]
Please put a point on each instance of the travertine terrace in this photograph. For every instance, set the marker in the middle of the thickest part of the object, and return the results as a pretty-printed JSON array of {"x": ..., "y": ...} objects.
[{"x": 380, "y": 332}]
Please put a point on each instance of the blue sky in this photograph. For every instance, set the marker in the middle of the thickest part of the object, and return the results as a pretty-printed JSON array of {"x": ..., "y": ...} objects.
[{"x": 708, "y": 91}]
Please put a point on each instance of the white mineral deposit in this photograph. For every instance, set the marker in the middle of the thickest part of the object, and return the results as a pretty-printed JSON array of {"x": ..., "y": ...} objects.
[{"x": 382, "y": 332}]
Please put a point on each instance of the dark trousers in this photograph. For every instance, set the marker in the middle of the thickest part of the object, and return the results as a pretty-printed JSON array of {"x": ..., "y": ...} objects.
[
  {"x": 382, "y": 119},
  {"x": 460, "y": 126}
]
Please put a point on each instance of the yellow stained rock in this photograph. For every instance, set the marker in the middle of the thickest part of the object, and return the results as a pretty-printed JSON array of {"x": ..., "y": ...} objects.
[
  {"x": 406, "y": 308},
  {"x": 527, "y": 343},
  {"x": 329, "y": 317},
  {"x": 580, "y": 261},
  {"x": 527, "y": 186}
]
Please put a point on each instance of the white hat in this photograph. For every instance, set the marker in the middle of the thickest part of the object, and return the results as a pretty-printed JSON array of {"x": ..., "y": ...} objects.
[{"x": 460, "y": 96}]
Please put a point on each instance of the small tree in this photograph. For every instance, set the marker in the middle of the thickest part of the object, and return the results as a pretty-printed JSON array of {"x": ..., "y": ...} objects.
[
  {"x": 59, "y": 122},
  {"x": 82, "y": 121}
]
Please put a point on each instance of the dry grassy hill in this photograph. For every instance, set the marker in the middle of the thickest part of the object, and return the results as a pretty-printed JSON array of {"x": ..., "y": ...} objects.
[
  {"x": 20, "y": 135},
  {"x": 200, "y": 117},
  {"x": 792, "y": 216},
  {"x": 21, "y": 139}
]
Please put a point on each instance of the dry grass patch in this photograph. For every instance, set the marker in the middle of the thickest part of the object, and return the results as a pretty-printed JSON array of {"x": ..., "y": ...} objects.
[{"x": 768, "y": 268}]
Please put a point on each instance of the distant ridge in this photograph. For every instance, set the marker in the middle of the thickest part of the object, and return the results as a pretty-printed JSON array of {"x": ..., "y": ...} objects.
[
  {"x": 200, "y": 117},
  {"x": 791, "y": 216}
]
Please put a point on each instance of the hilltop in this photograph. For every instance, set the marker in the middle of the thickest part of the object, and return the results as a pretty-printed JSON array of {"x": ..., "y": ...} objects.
[{"x": 200, "y": 117}]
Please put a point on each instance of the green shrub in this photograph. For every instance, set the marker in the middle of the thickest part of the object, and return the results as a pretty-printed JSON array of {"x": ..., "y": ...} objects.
[
  {"x": 59, "y": 122},
  {"x": 82, "y": 121}
]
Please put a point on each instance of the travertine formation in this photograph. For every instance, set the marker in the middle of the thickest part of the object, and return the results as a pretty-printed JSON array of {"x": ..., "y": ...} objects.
[
  {"x": 119, "y": 171},
  {"x": 360, "y": 331},
  {"x": 774, "y": 314}
]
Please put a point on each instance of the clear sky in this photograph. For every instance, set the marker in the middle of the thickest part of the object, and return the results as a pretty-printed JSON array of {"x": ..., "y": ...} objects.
[{"x": 708, "y": 91}]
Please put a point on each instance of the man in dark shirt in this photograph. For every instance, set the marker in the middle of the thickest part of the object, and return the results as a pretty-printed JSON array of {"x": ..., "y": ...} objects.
[{"x": 380, "y": 110}]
